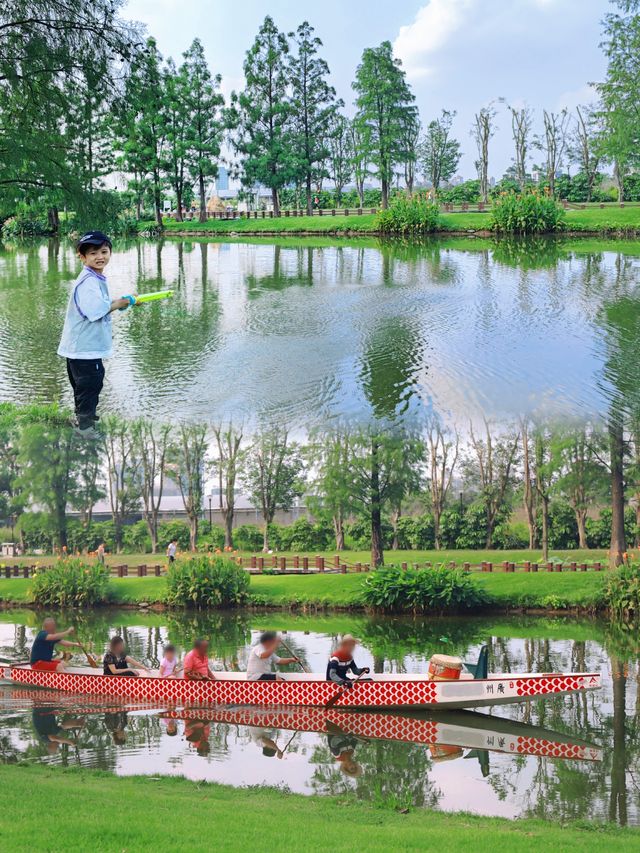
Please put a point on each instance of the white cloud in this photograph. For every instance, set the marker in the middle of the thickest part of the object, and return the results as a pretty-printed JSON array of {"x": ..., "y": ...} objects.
[{"x": 433, "y": 27}]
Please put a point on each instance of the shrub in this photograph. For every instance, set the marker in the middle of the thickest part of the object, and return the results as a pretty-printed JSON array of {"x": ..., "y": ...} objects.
[
  {"x": 414, "y": 215},
  {"x": 70, "y": 583},
  {"x": 599, "y": 529},
  {"x": 526, "y": 213},
  {"x": 26, "y": 222},
  {"x": 248, "y": 537},
  {"x": 622, "y": 593},
  {"x": 212, "y": 539},
  {"x": 135, "y": 537},
  {"x": 512, "y": 535},
  {"x": 169, "y": 530},
  {"x": 302, "y": 535},
  {"x": 205, "y": 581},
  {"x": 436, "y": 590}
]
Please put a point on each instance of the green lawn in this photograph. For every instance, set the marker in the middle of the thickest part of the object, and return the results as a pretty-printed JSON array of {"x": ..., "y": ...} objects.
[
  {"x": 50, "y": 809},
  {"x": 592, "y": 219},
  {"x": 549, "y": 590}
]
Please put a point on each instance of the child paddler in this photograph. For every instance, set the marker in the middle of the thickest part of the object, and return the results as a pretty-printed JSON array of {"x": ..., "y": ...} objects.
[{"x": 341, "y": 662}]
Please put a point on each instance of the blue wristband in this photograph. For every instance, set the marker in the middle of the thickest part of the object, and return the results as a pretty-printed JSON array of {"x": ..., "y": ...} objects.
[{"x": 131, "y": 300}]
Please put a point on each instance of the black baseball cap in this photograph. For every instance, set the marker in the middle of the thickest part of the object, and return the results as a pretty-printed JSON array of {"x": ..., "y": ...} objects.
[{"x": 94, "y": 238}]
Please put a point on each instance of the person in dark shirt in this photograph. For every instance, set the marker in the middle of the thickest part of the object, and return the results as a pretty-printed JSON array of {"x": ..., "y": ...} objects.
[
  {"x": 117, "y": 662},
  {"x": 44, "y": 646},
  {"x": 341, "y": 662}
]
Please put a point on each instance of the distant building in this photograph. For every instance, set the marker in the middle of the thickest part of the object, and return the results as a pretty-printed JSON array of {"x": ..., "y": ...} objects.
[{"x": 222, "y": 181}]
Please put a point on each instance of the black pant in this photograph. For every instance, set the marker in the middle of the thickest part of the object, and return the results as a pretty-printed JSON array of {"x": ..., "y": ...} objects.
[
  {"x": 86, "y": 377},
  {"x": 267, "y": 676}
]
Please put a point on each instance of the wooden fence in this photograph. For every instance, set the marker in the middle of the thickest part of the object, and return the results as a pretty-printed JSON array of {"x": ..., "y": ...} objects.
[{"x": 304, "y": 564}]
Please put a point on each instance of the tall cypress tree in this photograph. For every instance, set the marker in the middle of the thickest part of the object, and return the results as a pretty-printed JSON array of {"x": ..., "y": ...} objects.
[
  {"x": 203, "y": 105},
  {"x": 385, "y": 105},
  {"x": 314, "y": 105},
  {"x": 261, "y": 114}
]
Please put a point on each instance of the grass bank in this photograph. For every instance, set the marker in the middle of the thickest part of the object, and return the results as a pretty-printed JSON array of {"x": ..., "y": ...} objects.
[
  {"x": 547, "y": 591},
  {"x": 591, "y": 220},
  {"x": 50, "y": 809}
]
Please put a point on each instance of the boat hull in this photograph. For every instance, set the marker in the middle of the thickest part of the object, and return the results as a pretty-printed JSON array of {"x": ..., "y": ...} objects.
[{"x": 382, "y": 692}]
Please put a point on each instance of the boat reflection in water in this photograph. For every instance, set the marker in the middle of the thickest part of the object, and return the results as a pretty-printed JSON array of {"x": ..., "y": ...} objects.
[{"x": 59, "y": 719}]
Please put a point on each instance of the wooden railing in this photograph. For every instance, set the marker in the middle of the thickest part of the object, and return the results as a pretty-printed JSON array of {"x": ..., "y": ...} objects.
[{"x": 317, "y": 564}]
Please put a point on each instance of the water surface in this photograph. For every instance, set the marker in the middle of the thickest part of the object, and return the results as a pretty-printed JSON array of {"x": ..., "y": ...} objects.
[
  {"x": 310, "y": 331},
  {"x": 514, "y": 761}
]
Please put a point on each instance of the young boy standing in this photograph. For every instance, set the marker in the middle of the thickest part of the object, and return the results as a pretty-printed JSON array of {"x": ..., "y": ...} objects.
[{"x": 87, "y": 336}]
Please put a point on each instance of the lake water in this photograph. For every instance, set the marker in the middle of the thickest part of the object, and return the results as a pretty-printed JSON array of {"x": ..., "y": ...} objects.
[
  {"x": 311, "y": 331},
  {"x": 563, "y": 758}
]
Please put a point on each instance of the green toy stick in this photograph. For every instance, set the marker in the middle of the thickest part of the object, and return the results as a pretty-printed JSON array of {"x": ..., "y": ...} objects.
[{"x": 151, "y": 297}]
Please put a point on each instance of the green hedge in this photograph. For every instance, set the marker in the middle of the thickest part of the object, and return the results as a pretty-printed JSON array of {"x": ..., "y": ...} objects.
[{"x": 526, "y": 213}]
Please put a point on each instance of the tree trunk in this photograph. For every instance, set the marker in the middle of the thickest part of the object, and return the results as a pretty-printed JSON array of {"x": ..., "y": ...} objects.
[
  {"x": 385, "y": 193},
  {"x": 361, "y": 193},
  {"x": 308, "y": 196},
  {"x": 397, "y": 514},
  {"x": 228, "y": 528},
  {"x": 544, "y": 506},
  {"x": 276, "y": 202},
  {"x": 265, "y": 537},
  {"x": 338, "y": 528},
  {"x": 618, "y": 796},
  {"x": 193, "y": 532},
  {"x": 581, "y": 521},
  {"x": 436, "y": 529},
  {"x": 53, "y": 219},
  {"x": 377, "y": 552},
  {"x": 616, "y": 445},
  {"x": 619, "y": 179},
  {"x": 202, "y": 216},
  {"x": 179, "y": 203}
]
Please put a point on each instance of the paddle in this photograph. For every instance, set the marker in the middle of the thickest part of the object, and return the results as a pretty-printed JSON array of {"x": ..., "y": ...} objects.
[
  {"x": 291, "y": 654},
  {"x": 90, "y": 658},
  {"x": 333, "y": 700}
]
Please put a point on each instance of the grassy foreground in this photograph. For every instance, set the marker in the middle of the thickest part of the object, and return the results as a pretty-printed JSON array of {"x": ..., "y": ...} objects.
[
  {"x": 593, "y": 219},
  {"x": 549, "y": 591},
  {"x": 49, "y": 809}
]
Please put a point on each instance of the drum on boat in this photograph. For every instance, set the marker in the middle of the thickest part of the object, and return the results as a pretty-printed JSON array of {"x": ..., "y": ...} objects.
[{"x": 444, "y": 668}]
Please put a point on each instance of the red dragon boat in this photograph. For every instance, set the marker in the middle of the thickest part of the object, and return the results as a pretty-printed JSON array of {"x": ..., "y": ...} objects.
[{"x": 380, "y": 692}]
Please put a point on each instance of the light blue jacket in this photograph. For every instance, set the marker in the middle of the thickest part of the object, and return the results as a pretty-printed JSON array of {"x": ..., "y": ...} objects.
[{"x": 87, "y": 327}]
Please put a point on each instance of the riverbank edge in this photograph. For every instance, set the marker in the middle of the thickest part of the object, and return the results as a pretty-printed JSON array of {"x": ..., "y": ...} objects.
[
  {"x": 174, "y": 813},
  {"x": 535, "y": 594},
  {"x": 616, "y": 233}
]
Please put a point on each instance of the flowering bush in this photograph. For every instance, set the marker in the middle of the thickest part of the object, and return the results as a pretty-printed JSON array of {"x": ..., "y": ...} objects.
[
  {"x": 205, "y": 581},
  {"x": 70, "y": 583},
  {"x": 526, "y": 213},
  {"x": 409, "y": 215}
]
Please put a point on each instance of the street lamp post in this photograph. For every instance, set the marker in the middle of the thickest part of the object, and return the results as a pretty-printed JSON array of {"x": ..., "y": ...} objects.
[{"x": 210, "y": 516}]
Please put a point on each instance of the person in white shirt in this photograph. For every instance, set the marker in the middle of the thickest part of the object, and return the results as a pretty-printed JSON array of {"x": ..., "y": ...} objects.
[
  {"x": 172, "y": 550},
  {"x": 262, "y": 657}
]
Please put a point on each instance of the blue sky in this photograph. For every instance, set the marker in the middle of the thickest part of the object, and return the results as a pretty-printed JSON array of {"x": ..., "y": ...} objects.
[{"x": 459, "y": 54}]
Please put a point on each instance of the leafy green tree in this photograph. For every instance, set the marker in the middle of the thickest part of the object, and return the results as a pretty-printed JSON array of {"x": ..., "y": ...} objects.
[
  {"x": 439, "y": 153},
  {"x": 229, "y": 458},
  {"x": 50, "y": 56},
  {"x": 314, "y": 104},
  {"x": 175, "y": 151},
  {"x": 553, "y": 143},
  {"x": 122, "y": 467},
  {"x": 49, "y": 458},
  {"x": 203, "y": 104},
  {"x": 340, "y": 154},
  {"x": 186, "y": 461},
  {"x": 482, "y": 131},
  {"x": 490, "y": 470},
  {"x": 150, "y": 444},
  {"x": 411, "y": 146},
  {"x": 273, "y": 475},
  {"x": 620, "y": 91},
  {"x": 583, "y": 479},
  {"x": 261, "y": 115},
  {"x": 359, "y": 156},
  {"x": 585, "y": 145},
  {"x": 143, "y": 126},
  {"x": 330, "y": 455},
  {"x": 384, "y": 108}
]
